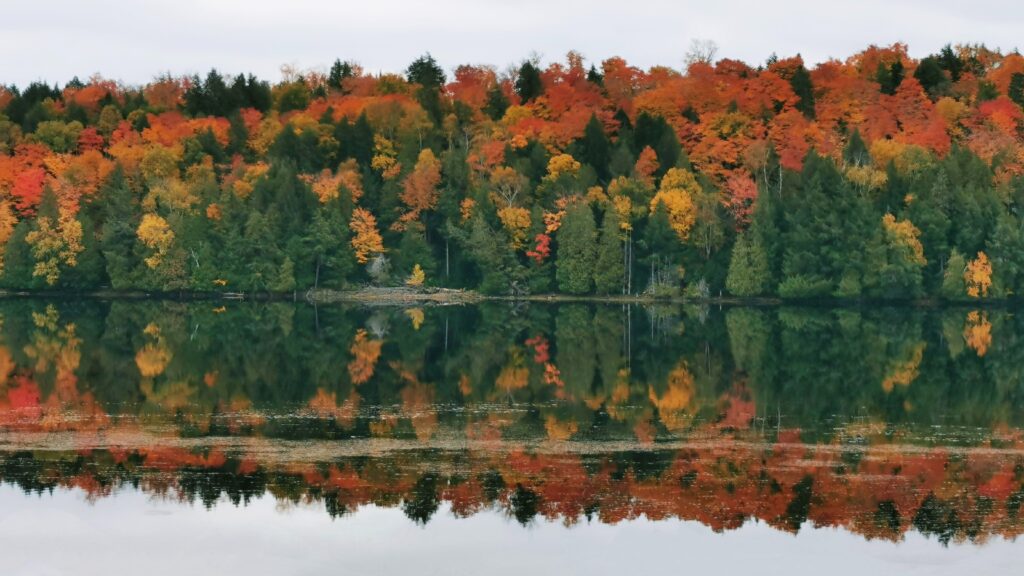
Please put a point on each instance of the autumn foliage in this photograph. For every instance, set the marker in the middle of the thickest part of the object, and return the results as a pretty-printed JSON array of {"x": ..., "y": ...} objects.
[{"x": 828, "y": 172}]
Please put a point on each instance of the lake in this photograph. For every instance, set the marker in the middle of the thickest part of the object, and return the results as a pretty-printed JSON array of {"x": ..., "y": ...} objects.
[{"x": 286, "y": 438}]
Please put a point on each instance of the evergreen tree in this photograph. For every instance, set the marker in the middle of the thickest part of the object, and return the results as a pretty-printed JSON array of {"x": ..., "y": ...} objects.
[
  {"x": 975, "y": 203},
  {"x": 496, "y": 277},
  {"x": 655, "y": 132},
  {"x": 258, "y": 94},
  {"x": 1005, "y": 249},
  {"x": 661, "y": 252},
  {"x": 120, "y": 219},
  {"x": 89, "y": 271},
  {"x": 1016, "y": 89},
  {"x": 893, "y": 269},
  {"x": 261, "y": 255},
  {"x": 987, "y": 91},
  {"x": 284, "y": 280},
  {"x": 426, "y": 72},
  {"x": 594, "y": 148},
  {"x": 950, "y": 62},
  {"x": 824, "y": 242},
  {"x": 929, "y": 212},
  {"x": 622, "y": 160},
  {"x": 767, "y": 221},
  {"x": 931, "y": 76},
  {"x": 209, "y": 97},
  {"x": 340, "y": 71},
  {"x": 889, "y": 77},
  {"x": 287, "y": 201},
  {"x": 748, "y": 268},
  {"x": 238, "y": 136},
  {"x": 804, "y": 89},
  {"x": 497, "y": 103},
  {"x": 856, "y": 151},
  {"x": 609, "y": 269},
  {"x": 577, "y": 253},
  {"x": 953, "y": 285},
  {"x": 412, "y": 250},
  {"x": 355, "y": 140},
  {"x": 528, "y": 83},
  {"x": 328, "y": 242},
  {"x": 18, "y": 261}
]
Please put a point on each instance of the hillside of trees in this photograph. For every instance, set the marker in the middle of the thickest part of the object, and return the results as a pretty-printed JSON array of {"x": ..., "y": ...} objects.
[{"x": 881, "y": 176}]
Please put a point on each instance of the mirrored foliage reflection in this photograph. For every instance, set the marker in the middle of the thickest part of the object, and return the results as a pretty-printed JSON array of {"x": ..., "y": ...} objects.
[{"x": 879, "y": 420}]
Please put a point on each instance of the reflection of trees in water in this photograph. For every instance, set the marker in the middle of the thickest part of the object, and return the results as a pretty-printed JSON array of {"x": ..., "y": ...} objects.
[
  {"x": 829, "y": 390},
  {"x": 562, "y": 372},
  {"x": 945, "y": 494},
  {"x": 423, "y": 501}
]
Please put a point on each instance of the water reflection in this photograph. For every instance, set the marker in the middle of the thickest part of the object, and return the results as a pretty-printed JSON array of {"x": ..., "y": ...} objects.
[{"x": 879, "y": 421}]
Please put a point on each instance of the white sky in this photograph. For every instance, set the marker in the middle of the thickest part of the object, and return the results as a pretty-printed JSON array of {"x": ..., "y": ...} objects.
[
  {"x": 135, "y": 40},
  {"x": 62, "y": 534}
]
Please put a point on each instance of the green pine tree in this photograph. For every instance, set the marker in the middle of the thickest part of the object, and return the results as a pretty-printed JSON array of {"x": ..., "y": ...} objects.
[
  {"x": 804, "y": 89},
  {"x": 610, "y": 268},
  {"x": 497, "y": 103},
  {"x": 953, "y": 285},
  {"x": 748, "y": 267},
  {"x": 577, "y": 253},
  {"x": 595, "y": 148},
  {"x": 528, "y": 84}
]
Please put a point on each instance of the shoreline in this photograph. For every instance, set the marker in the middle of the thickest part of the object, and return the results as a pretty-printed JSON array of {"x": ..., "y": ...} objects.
[{"x": 396, "y": 296}]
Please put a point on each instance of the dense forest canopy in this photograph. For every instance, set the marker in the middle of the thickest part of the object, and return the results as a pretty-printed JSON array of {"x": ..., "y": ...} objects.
[{"x": 879, "y": 176}]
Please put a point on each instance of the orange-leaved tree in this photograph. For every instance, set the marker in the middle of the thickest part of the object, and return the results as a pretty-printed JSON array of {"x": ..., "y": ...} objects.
[
  {"x": 419, "y": 191},
  {"x": 366, "y": 240}
]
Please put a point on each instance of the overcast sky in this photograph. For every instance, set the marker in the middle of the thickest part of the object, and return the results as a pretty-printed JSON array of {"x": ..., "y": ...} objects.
[
  {"x": 62, "y": 533},
  {"x": 135, "y": 40}
]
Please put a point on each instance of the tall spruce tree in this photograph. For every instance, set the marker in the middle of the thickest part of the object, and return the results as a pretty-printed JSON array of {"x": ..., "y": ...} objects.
[
  {"x": 577, "y": 253},
  {"x": 528, "y": 83},
  {"x": 595, "y": 148},
  {"x": 748, "y": 268},
  {"x": 609, "y": 269},
  {"x": 804, "y": 90}
]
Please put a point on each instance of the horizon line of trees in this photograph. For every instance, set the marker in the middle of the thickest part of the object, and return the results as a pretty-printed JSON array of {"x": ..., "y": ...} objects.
[{"x": 880, "y": 176}]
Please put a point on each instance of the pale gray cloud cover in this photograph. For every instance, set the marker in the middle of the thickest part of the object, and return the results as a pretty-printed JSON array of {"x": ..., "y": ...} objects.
[
  {"x": 64, "y": 534},
  {"x": 136, "y": 40}
]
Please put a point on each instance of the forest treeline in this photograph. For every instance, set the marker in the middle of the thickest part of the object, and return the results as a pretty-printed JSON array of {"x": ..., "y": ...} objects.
[{"x": 881, "y": 176}]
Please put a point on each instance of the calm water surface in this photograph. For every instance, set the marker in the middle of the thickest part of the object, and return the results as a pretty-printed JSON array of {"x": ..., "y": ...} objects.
[{"x": 571, "y": 439}]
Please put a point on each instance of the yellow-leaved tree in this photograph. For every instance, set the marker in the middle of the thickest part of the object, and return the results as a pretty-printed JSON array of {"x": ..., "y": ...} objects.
[
  {"x": 562, "y": 165},
  {"x": 55, "y": 242},
  {"x": 562, "y": 179},
  {"x": 155, "y": 233},
  {"x": 978, "y": 276},
  {"x": 677, "y": 191},
  {"x": 384, "y": 157},
  {"x": 8, "y": 221},
  {"x": 516, "y": 222},
  {"x": 903, "y": 233},
  {"x": 416, "y": 278}
]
